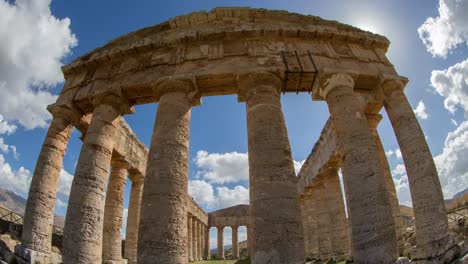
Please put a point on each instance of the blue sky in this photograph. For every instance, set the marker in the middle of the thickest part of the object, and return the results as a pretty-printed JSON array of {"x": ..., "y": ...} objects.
[{"x": 45, "y": 34}]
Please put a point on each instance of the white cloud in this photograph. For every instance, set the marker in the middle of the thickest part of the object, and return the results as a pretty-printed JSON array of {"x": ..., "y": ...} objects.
[
  {"x": 403, "y": 190},
  {"x": 445, "y": 32},
  {"x": 399, "y": 171},
  {"x": 420, "y": 110},
  {"x": 124, "y": 222},
  {"x": 33, "y": 43},
  {"x": 298, "y": 166},
  {"x": 396, "y": 153},
  {"x": 222, "y": 168},
  {"x": 452, "y": 162},
  {"x": 5, "y": 127},
  {"x": 16, "y": 181},
  {"x": 452, "y": 84},
  {"x": 205, "y": 195},
  {"x": 202, "y": 192},
  {"x": 454, "y": 122},
  {"x": 228, "y": 197}
]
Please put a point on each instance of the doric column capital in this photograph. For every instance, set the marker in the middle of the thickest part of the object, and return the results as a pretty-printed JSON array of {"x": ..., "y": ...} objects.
[
  {"x": 257, "y": 82},
  {"x": 389, "y": 86},
  {"x": 118, "y": 102},
  {"x": 334, "y": 81},
  {"x": 183, "y": 85},
  {"x": 70, "y": 112},
  {"x": 373, "y": 120},
  {"x": 220, "y": 227}
]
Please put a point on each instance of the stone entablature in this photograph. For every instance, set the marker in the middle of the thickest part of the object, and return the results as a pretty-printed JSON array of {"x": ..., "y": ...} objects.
[
  {"x": 232, "y": 216},
  {"x": 196, "y": 211},
  {"x": 131, "y": 66},
  {"x": 324, "y": 151}
]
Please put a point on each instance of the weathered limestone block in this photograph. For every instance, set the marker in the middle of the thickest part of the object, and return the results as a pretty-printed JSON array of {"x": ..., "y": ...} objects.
[
  {"x": 324, "y": 221},
  {"x": 165, "y": 195},
  {"x": 39, "y": 213},
  {"x": 277, "y": 233},
  {"x": 373, "y": 121},
  {"x": 113, "y": 213},
  {"x": 221, "y": 242},
  {"x": 82, "y": 239},
  {"x": 336, "y": 209},
  {"x": 373, "y": 228},
  {"x": 235, "y": 242},
  {"x": 133, "y": 220},
  {"x": 431, "y": 223}
]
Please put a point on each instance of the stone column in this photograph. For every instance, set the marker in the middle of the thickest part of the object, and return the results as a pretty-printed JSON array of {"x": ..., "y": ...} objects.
[
  {"x": 324, "y": 221},
  {"x": 207, "y": 243},
  {"x": 373, "y": 121},
  {"x": 163, "y": 223},
  {"x": 277, "y": 234},
  {"x": 194, "y": 239},
  {"x": 200, "y": 241},
  {"x": 221, "y": 242},
  {"x": 133, "y": 220},
  {"x": 426, "y": 193},
  {"x": 336, "y": 209},
  {"x": 235, "y": 242},
  {"x": 249, "y": 236},
  {"x": 305, "y": 227},
  {"x": 373, "y": 228},
  {"x": 82, "y": 238},
  {"x": 39, "y": 212},
  {"x": 310, "y": 225},
  {"x": 190, "y": 237},
  {"x": 113, "y": 213}
]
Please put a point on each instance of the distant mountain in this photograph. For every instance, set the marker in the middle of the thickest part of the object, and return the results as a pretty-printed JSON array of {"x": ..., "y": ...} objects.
[
  {"x": 457, "y": 196},
  {"x": 12, "y": 201},
  {"x": 17, "y": 204}
]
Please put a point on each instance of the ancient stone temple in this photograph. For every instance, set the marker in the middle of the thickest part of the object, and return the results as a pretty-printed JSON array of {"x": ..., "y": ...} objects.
[{"x": 258, "y": 55}]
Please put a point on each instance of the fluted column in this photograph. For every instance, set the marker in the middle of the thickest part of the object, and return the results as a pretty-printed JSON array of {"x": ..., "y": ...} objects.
[
  {"x": 324, "y": 221},
  {"x": 194, "y": 239},
  {"x": 39, "y": 212},
  {"x": 221, "y": 242},
  {"x": 113, "y": 213},
  {"x": 202, "y": 242},
  {"x": 277, "y": 234},
  {"x": 235, "y": 242},
  {"x": 190, "y": 237},
  {"x": 426, "y": 193},
  {"x": 163, "y": 223},
  {"x": 373, "y": 121},
  {"x": 373, "y": 228},
  {"x": 133, "y": 220},
  {"x": 207, "y": 243},
  {"x": 336, "y": 209},
  {"x": 82, "y": 239}
]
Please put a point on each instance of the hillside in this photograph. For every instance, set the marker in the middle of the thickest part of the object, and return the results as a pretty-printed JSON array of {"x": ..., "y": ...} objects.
[
  {"x": 17, "y": 204},
  {"x": 12, "y": 201}
]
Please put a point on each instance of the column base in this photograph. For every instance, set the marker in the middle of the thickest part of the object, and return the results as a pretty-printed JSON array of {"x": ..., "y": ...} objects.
[
  {"x": 445, "y": 250},
  {"x": 32, "y": 256}
]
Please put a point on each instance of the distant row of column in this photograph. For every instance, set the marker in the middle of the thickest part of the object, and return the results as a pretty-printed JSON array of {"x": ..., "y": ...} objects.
[
  {"x": 235, "y": 242},
  {"x": 198, "y": 239},
  {"x": 373, "y": 209}
]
